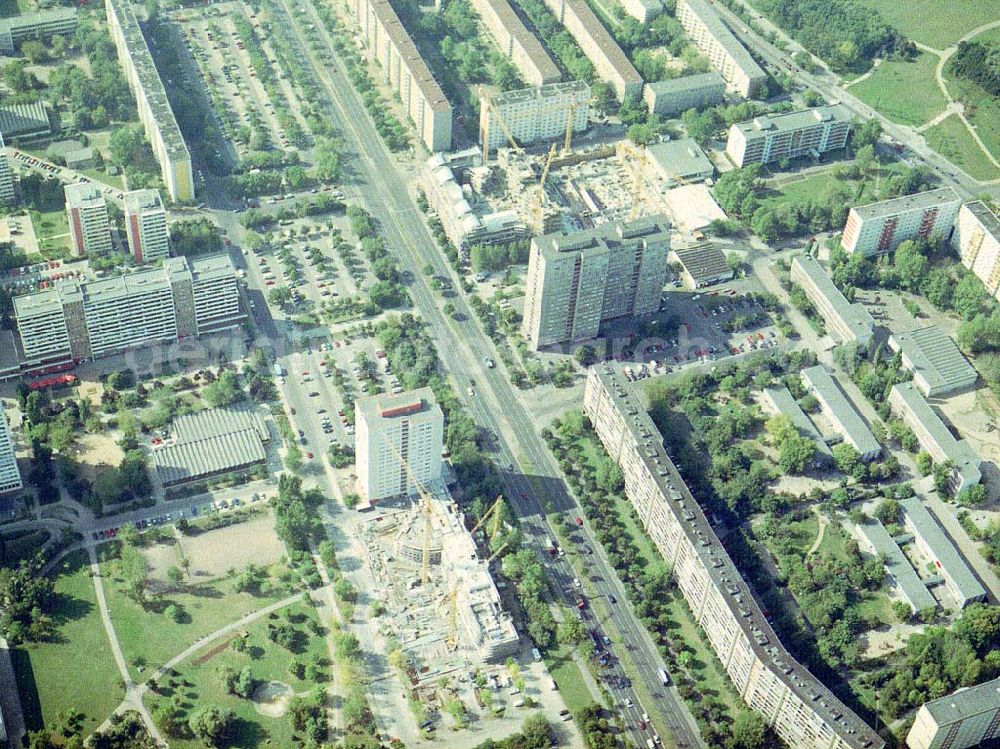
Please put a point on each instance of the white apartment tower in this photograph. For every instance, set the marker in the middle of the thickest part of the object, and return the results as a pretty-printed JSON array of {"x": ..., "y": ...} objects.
[
  {"x": 978, "y": 238},
  {"x": 533, "y": 114},
  {"x": 88, "y": 219},
  {"x": 766, "y": 139},
  {"x": 392, "y": 429},
  {"x": 578, "y": 281},
  {"x": 878, "y": 228},
  {"x": 146, "y": 226},
  {"x": 10, "y": 476},
  {"x": 6, "y": 176}
]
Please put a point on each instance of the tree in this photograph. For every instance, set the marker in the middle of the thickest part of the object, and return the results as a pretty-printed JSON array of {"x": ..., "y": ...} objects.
[
  {"x": 571, "y": 632},
  {"x": 194, "y": 236},
  {"x": 279, "y": 296},
  {"x": 585, "y": 355},
  {"x": 972, "y": 496},
  {"x": 748, "y": 730},
  {"x": 925, "y": 463},
  {"x": 224, "y": 390},
  {"x": 888, "y": 511},
  {"x": 911, "y": 265},
  {"x": 980, "y": 625},
  {"x": 847, "y": 459},
  {"x": 213, "y": 725}
]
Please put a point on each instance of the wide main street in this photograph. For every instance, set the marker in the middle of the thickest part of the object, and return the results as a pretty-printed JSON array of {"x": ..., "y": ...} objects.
[{"x": 379, "y": 187}]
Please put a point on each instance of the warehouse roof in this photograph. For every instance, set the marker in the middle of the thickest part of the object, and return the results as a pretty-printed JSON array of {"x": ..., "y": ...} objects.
[
  {"x": 214, "y": 422},
  {"x": 686, "y": 83},
  {"x": 776, "y": 123},
  {"x": 190, "y": 461},
  {"x": 782, "y": 401},
  {"x": 965, "y": 703},
  {"x": 721, "y": 33},
  {"x": 854, "y": 316},
  {"x": 935, "y": 358},
  {"x": 24, "y": 119},
  {"x": 680, "y": 158},
  {"x": 914, "y": 589},
  {"x": 920, "y": 521},
  {"x": 704, "y": 263},
  {"x": 839, "y": 408},
  {"x": 916, "y": 202}
]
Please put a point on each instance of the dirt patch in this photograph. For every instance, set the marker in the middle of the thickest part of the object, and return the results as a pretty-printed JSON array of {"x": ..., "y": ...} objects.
[
  {"x": 92, "y": 391},
  {"x": 210, "y": 654},
  {"x": 160, "y": 557},
  {"x": 271, "y": 699},
  {"x": 96, "y": 453},
  {"x": 213, "y": 553}
]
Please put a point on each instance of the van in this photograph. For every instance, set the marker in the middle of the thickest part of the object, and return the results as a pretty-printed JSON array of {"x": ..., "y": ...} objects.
[
  {"x": 535, "y": 654},
  {"x": 519, "y": 703}
]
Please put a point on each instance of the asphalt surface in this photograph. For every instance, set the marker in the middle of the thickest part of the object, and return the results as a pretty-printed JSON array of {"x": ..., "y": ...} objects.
[{"x": 464, "y": 348}]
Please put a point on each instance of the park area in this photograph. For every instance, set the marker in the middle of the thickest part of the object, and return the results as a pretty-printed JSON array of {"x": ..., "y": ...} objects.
[
  {"x": 951, "y": 139},
  {"x": 936, "y": 23},
  {"x": 905, "y": 91}
]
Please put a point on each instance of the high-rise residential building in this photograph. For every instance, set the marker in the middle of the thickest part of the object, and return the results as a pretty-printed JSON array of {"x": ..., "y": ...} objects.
[
  {"x": 770, "y": 138},
  {"x": 89, "y": 227},
  {"x": 146, "y": 226},
  {"x": 517, "y": 42},
  {"x": 6, "y": 176},
  {"x": 533, "y": 114},
  {"x": 42, "y": 25},
  {"x": 978, "y": 239},
  {"x": 849, "y": 322},
  {"x": 675, "y": 95},
  {"x": 10, "y": 476},
  {"x": 77, "y": 321},
  {"x": 398, "y": 443},
  {"x": 800, "y": 708},
  {"x": 578, "y": 281},
  {"x": 964, "y": 719},
  {"x": 387, "y": 40},
  {"x": 878, "y": 228},
  {"x": 743, "y": 75},
  {"x": 155, "y": 113}
]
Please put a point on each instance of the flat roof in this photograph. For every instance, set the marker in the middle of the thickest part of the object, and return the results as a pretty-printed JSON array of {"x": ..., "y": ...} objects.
[
  {"x": 214, "y": 422},
  {"x": 842, "y": 410},
  {"x": 692, "y": 206},
  {"x": 986, "y": 217},
  {"x": 408, "y": 51},
  {"x": 723, "y": 574},
  {"x": 782, "y": 400},
  {"x": 788, "y": 121},
  {"x": 682, "y": 157},
  {"x": 384, "y": 406},
  {"x": 965, "y": 703},
  {"x": 686, "y": 83},
  {"x": 943, "y": 549},
  {"x": 721, "y": 33},
  {"x": 897, "y": 565},
  {"x": 189, "y": 461},
  {"x": 959, "y": 452},
  {"x": 703, "y": 263},
  {"x": 600, "y": 37},
  {"x": 29, "y": 118},
  {"x": 83, "y": 195},
  {"x": 27, "y": 21},
  {"x": 512, "y": 22},
  {"x": 137, "y": 201},
  {"x": 604, "y": 236},
  {"x": 546, "y": 91},
  {"x": 855, "y": 316},
  {"x": 906, "y": 203},
  {"x": 935, "y": 357}
]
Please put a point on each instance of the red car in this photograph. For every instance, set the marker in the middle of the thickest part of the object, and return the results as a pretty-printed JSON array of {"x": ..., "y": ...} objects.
[
  {"x": 309, "y": 456},
  {"x": 579, "y": 520}
]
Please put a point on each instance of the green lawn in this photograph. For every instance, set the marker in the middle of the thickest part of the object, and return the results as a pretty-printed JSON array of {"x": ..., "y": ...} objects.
[
  {"x": 953, "y": 141},
  {"x": 936, "y": 23},
  {"x": 981, "y": 109},
  {"x": 108, "y": 179},
  {"x": 568, "y": 678},
  {"x": 52, "y": 231},
  {"x": 200, "y": 685},
  {"x": 76, "y": 669},
  {"x": 816, "y": 186},
  {"x": 905, "y": 91},
  {"x": 206, "y": 606}
]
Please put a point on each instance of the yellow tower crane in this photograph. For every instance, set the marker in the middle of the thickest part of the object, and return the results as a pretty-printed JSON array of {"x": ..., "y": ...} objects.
[
  {"x": 426, "y": 506},
  {"x": 451, "y": 600},
  {"x": 488, "y": 514},
  {"x": 485, "y": 133},
  {"x": 540, "y": 203}
]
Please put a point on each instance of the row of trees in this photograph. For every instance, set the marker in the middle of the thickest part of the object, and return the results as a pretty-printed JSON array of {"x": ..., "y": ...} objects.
[{"x": 978, "y": 62}]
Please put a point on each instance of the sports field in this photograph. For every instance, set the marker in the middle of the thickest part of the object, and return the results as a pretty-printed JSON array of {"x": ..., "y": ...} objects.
[
  {"x": 936, "y": 23},
  {"x": 905, "y": 91}
]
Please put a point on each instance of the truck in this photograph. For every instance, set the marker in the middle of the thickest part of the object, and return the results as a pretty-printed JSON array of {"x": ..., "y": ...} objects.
[
  {"x": 551, "y": 547},
  {"x": 581, "y": 602},
  {"x": 279, "y": 370}
]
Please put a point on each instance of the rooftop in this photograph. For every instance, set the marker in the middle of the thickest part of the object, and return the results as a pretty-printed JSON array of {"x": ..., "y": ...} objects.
[
  {"x": 26, "y": 21},
  {"x": 407, "y": 50},
  {"x": 965, "y": 703},
  {"x": 986, "y": 217},
  {"x": 651, "y": 228},
  {"x": 528, "y": 41},
  {"x": 686, "y": 83},
  {"x": 916, "y": 202},
  {"x": 24, "y": 119},
  {"x": 680, "y": 158},
  {"x": 137, "y": 201},
  {"x": 924, "y": 525},
  {"x": 385, "y": 406},
  {"x": 898, "y": 566},
  {"x": 600, "y": 36},
  {"x": 723, "y": 573},
  {"x": 214, "y": 422},
  {"x": 46, "y": 301},
  {"x": 189, "y": 461},
  {"x": 547, "y": 91},
  {"x": 782, "y": 400},
  {"x": 703, "y": 263},
  {"x": 200, "y": 268},
  {"x": 935, "y": 357},
  {"x": 721, "y": 33},
  {"x": 854, "y": 316},
  {"x": 83, "y": 195},
  {"x": 841, "y": 409},
  {"x": 775, "y": 123}
]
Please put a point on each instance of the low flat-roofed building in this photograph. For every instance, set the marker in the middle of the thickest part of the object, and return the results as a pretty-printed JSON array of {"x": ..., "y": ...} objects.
[
  {"x": 81, "y": 158},
  {"x": 25, "y": 122},
  {"x": 780, "y": 400},
  {"x": 907, "y": 582},
  {"x": 692, "y": 207},
  {"x": 977, "y": 234},
  {"x": 849, "y": 322},
  {"x": 878, "y": 228},
  {"x": 675, "y": 162},
  {"x": 41, "y": 25},
  {"x": 938, "y": 367},
  {"x": 702, "y": 265},
  {"x": 935, "y": 437},
  {"x": 966, "y": 718},
  {"x": 840, "y": 412},
  {"x": 933, "y": 542},
  {"x": 10, "y": 476},
  {"x": 769, "y": 138},
  {"x": 672, "y": 96}
]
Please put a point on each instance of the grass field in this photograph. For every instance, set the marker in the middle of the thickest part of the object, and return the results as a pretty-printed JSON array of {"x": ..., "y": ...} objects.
[
  {"x": 199, "y": 681},
  {"x": 981, "y": 109},
  {"x": 75, "y": 670},
  {"x": 567, "y": 675},
  {"x": 953, "y": 141},
  {"x": 52, "y": 231},
  {"x": 904, "y": 91},
  {"x": 936, "y": 23},
  {"x": 818, "y": 185}
]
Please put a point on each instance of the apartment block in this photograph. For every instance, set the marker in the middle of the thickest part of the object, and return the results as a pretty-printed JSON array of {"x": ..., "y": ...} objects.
[
  {"x": 577, "y": 281},
  {"x": 969, "y": 717},
  {"x": 727, "y": 55},
  {"x": 878, "y": 228},
  {"x": 10, "y": 476},
  {"x": 402, "y": 66},
  {"x": 77, "y": 321},
  {"x": 398, "y": 443},
  {"x": 779, "y": 400},
  {"x": 935, "y": 437},
  {"x": 517, "y": 42},
  {"x": 530, "y": 115},
  {"x": 676, "y": 95},
  {"x": 905, "y": 579},
  {"x": 42, "y": 26},
  {"x": 155, "y": 113},
  {"x": 87, "y": 212},
  {"x": 978, "y": 240},
  {"x": 848, "y": 322},
  {"x": 840, "y": 412},
  {"x": 146, "y": 226},
  {"x": 642, "y": 10},
  {"x": 610, "y": 63},
  {"x": 770, "y": 138},
  {"x": 6, "y": 176},
  {"x": 939, "y": 369},
  {"x": 800, "y": 709}
]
